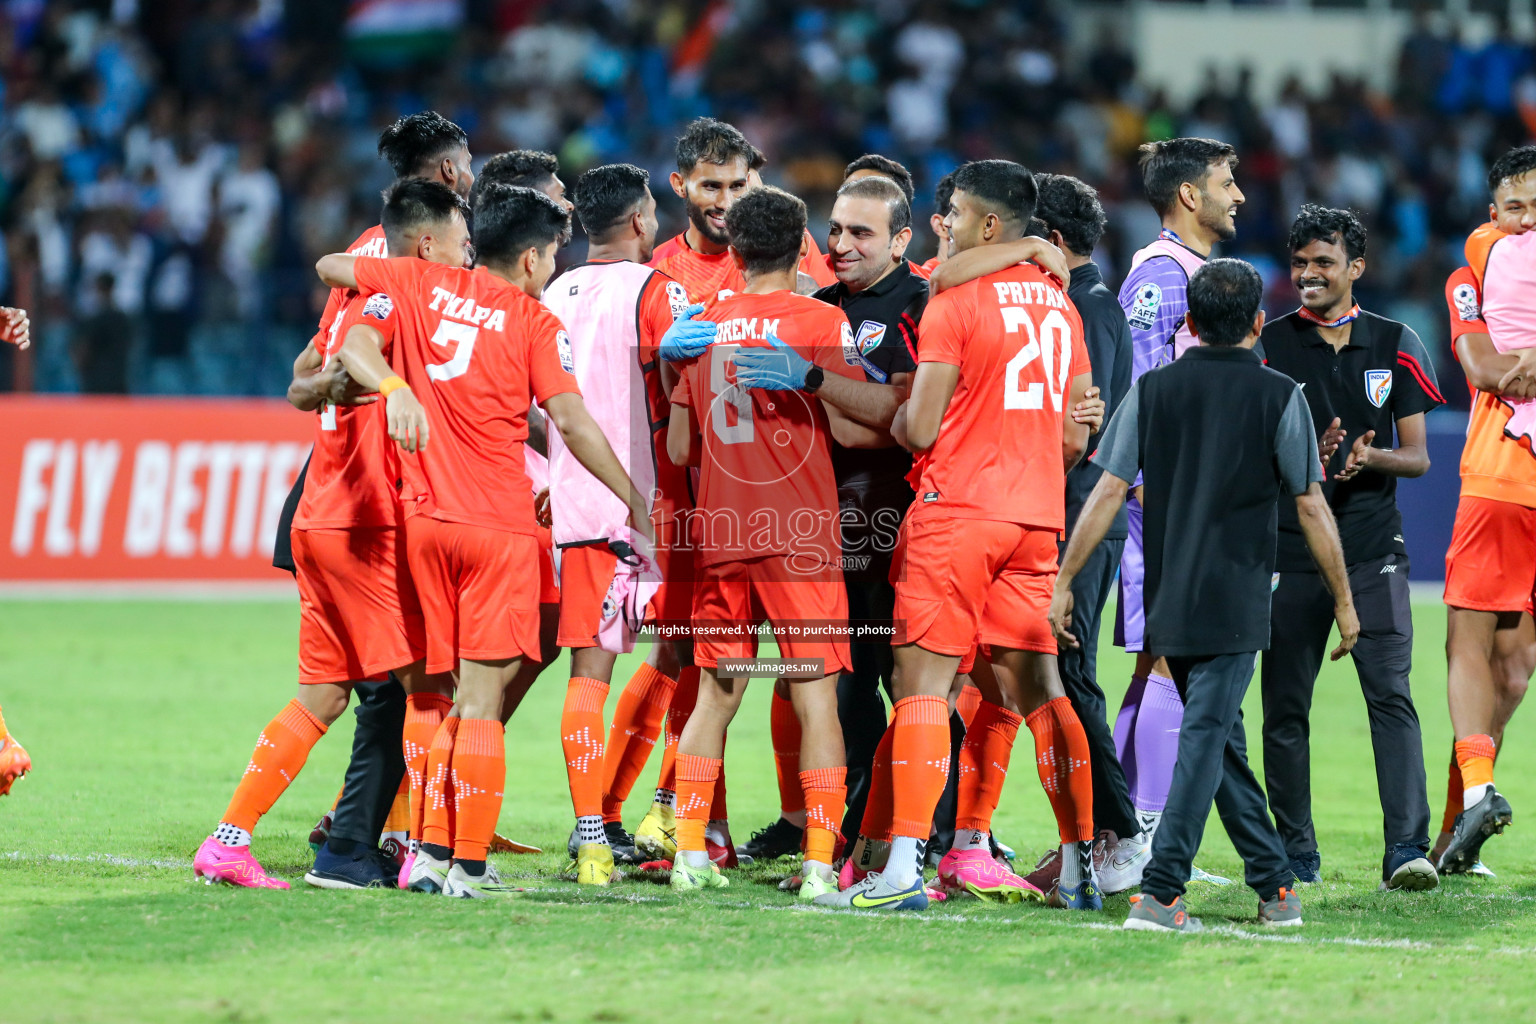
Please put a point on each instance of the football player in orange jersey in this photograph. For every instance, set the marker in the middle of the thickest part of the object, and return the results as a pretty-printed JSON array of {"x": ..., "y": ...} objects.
[
  {"x": 766, "y": 523},
  {"x": 476, "y": 349},
  {"x": 1491, "y": 638},
  {"x": 992, "y": 455},
  {"x": 358, "y": 613}
]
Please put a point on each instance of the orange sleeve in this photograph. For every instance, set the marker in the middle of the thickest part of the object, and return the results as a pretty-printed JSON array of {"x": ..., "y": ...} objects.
[
  {"x": 376, "y": 310},
  {"x": 662, "y": 300},
  {"x": 1479, "y": 243},
  {"x": 941, "y": 331},
  {"x": 1464, "y": 300},
  {"x": 549, "y": 357},
  {"x": 333, "y": 303},
  {"x": 379, "y": 275},
  {"x": 833, "y": 358}
]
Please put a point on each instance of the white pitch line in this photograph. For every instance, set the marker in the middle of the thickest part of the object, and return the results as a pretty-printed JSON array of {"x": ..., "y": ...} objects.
[{"x": 102, "y": 858}]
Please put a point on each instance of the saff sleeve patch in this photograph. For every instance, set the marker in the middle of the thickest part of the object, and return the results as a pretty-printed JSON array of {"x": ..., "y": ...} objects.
[
  {"x": 1144, "y": 306},
  {"x": 1467, "y": 306},
  {"x": 379, "y": 306},
  {"x": 677, "y": 298},
  {"x": 563, "y": 346}
]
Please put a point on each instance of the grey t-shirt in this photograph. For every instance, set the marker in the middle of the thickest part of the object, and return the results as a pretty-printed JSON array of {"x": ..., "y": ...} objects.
[{"x": 1119, "y": 451}]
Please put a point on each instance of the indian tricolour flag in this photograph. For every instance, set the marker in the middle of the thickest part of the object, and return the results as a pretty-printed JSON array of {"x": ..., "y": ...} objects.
[{"x": 395, "y": 30}]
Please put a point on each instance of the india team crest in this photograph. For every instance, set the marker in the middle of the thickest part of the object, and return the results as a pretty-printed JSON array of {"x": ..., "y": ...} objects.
[
  {"x": 1378, "y": 385},
  {"x": 869, "y": 337}
]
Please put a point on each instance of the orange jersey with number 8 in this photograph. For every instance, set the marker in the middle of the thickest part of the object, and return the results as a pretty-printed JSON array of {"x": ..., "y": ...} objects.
[
  {"x": 476, "y": 352},
  {"x": 1018, "y": 342}
]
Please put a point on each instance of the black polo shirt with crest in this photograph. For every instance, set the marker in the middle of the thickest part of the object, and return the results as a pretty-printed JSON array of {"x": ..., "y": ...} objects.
[{"x": 1381, "y": 376}]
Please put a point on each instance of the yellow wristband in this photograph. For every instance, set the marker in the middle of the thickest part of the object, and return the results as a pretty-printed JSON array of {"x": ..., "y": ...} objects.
[{"x": 389, "y": 384}]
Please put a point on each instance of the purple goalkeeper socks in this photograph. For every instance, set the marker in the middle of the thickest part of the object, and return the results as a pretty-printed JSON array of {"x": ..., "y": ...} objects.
[
  {"x": 1156, "y": 742},
  {"x": 1125, "y": 732}
]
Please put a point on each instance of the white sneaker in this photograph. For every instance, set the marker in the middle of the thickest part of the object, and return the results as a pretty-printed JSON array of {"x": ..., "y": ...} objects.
[
  {"x": 427, "y": 874},
  {"x": 464, "y": 885},
  {"x": 1119, "y": 864}
]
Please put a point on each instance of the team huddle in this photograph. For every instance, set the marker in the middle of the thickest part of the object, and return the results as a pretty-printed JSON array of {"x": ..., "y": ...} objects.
[{"x": 923, "y": 480}]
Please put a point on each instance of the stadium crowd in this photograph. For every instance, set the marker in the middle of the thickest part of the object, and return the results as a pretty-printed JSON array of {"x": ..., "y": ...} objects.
[
  {"x": 923, "y": 476},
  {"x": 173, "y": 168}
]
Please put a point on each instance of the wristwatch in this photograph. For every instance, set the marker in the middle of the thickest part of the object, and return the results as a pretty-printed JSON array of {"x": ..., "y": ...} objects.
[{"x": 813, "y": 378}]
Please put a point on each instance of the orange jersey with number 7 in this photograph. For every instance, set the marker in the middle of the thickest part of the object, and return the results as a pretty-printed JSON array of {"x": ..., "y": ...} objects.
[
  {"x": 476, "y": 352},
  {"x": 1018, "y": 342}
]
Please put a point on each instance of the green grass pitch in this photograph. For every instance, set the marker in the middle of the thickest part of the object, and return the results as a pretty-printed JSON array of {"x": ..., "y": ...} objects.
[{"x": 140, "y": 716}]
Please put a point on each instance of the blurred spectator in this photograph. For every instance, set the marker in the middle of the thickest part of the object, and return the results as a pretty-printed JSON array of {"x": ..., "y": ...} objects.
[
  {"x": 101, "y": 343},
  {"x": 203, "y": 153}
]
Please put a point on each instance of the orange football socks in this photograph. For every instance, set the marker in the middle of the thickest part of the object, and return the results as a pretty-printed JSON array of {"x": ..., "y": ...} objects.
[
  {"x": 636, "y": 724},
  {"x": 479, "y": 776},
  {"x": 784, "y": 728},
  {"x": 984, "y": 758},
  {"x": 684, "y": 696},
  {"x": 438, "y": 818},
  {"x": 826, "y": 791},
  {"x": 967, "y": 702},
  {"x": 281, "y": 750},
  {"x": 1474, "y": 755},
  {"x": 581, "y": 737},
  {"x": 1061, "y": 754},
  {"x": 424, "y": 712},
  {"x": 877, "y": 805},
  {"x": 919, "y": 763},
  {"x": 695, "y": 782}
]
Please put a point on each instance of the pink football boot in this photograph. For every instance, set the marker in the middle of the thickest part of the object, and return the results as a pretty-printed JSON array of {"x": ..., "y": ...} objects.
[
  {"x": 216, "y": 862},
  {"x": 975, "y": 872}
]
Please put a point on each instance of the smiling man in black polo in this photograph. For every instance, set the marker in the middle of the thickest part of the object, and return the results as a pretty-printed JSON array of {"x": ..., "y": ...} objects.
[{"x": 1364, "y": 376}]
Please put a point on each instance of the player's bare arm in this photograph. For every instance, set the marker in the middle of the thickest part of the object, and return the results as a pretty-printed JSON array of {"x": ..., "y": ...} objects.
[
  {"x": 1409, "y": 459},
  {"x": 1098, "y": 515},
  {"x": 982, "y": 260},
  {"x": 581, "y": 434},
  {"x": 15, "y": 327},
  {"x": 681, "y": 431},
  {"x": 363, "y": 356},
  {"x": 316, "y": 383},
  {"x": 1090, "y": 411},
  {"x": 1506, "y": 374},
  {"x": 933, "y": 385},
  {"x": 1074, "y": 432},
  {"x": 335, "y": 270},
  {"x": 1322, "y": 536}
]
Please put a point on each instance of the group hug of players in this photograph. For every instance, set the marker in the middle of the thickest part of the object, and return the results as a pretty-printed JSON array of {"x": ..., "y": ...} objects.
[{"x": 733, "y": 427}]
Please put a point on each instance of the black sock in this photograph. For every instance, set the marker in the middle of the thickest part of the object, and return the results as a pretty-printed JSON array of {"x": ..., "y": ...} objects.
[
  {"x": 437, "y": 852},
  {"x": 472, "y": 867}
]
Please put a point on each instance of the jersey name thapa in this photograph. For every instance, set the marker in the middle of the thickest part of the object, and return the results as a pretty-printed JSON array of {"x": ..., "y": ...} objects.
[{"x": 476, "y": 351}]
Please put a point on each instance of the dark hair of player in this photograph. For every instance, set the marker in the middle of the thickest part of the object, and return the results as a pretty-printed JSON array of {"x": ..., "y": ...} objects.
[
  {"x": 1003, "y": 187},
  {"x": 766, "y": 226},
  {"x": 888, "y": 192},
  {"x": 758, "y": 160},
  {"x": 511, "y": 219},
  {"x": 708, "y": 141},
  {"x": 942, "y": 193},
  {"x": 1320, "y": 224},
  {"x": 1071, "y": 207},
  {"x": 530, "y": 168},
  {"x": 1517, "y": 162},
  {"x": 1168, "y": 164},
  {"x": 1037, "y": 229},
  {"x": 607, "y": 195},
  {"x": 1224, "y": 298},
  {"x": 414, "y": 145},
  {"x": 886, "y": 167},
  {"x": 411, "y": 204}
]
